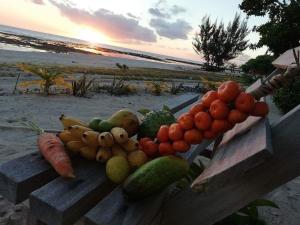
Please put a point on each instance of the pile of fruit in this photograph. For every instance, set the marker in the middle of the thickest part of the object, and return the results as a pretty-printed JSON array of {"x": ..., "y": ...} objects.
[
  {"x": 149, "y": 158},
  {"x": 215, "y": 113}
]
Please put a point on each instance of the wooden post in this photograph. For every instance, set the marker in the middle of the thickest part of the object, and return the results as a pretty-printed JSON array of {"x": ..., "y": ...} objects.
[{"x": 190, "y": 208}]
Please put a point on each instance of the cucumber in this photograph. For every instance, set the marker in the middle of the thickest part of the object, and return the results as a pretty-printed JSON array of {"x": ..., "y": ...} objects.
[{"x": 154, "y": 176}]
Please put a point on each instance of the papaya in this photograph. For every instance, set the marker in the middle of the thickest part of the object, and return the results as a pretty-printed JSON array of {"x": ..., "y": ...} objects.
[
  {"x": 94, "y": 123},
  {"x": 123, "y": 118},
  {"x": 154, "y": 176}
]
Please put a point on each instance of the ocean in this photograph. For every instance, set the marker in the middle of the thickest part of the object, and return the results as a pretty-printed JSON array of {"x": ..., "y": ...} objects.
[{"x": 84, "y": 45}]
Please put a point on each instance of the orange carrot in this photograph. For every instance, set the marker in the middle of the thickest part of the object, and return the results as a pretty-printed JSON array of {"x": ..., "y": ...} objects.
[{"x": 54, "y": 152}]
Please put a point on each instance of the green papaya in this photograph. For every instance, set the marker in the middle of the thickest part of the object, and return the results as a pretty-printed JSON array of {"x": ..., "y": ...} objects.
[
  {"x": 94, "y": 123},
  {"x": 124, "y": 119},
  {"x": 154, "y": 176}
]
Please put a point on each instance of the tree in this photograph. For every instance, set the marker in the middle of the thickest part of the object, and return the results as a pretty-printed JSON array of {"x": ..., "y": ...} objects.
[
  {"x": 282, "y": 31},
  {"x": 217, "y": 44},
  {"x": 261, "y": 65}
]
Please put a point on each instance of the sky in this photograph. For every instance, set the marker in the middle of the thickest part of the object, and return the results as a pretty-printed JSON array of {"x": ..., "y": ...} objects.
[{"x": 160, "y": 26}]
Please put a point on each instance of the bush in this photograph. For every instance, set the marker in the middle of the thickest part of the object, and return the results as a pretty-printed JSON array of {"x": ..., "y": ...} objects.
[
  {"x": 261, "y": 65},
  {"x": 82, "y": 86},
  {"x": 287, "y": 98}
]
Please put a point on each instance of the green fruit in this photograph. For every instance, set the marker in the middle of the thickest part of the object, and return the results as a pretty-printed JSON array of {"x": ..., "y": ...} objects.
[
  {"x": 105, "y": 126},
  {"x": 154, "y": 176},
  {"x": 152, "y": 122},
  {"x": 117, "y": 169},
  {"x": 124, "y": 119},
  {"x": 94, "y": 123}
]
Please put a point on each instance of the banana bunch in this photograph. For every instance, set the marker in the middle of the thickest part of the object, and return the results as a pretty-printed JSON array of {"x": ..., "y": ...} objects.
[{"x": 92, "y": 145}]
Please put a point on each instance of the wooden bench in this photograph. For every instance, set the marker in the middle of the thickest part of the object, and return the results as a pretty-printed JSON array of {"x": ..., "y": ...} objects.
[{"x": 252, "y": 159}]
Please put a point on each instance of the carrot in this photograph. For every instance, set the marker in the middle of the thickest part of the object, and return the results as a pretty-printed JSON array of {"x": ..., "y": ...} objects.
[{"x": 53, "y": 151}]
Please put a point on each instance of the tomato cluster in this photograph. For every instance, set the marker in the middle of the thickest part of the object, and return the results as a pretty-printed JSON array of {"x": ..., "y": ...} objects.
[{"x": 215, "y": 113}]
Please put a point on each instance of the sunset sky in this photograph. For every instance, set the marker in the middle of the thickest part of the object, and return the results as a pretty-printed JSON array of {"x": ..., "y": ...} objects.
[{"x": 160, "y": 26}]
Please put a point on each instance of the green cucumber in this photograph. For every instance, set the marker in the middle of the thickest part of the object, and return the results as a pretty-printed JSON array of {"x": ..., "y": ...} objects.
[{"x": 154, "y": 176}]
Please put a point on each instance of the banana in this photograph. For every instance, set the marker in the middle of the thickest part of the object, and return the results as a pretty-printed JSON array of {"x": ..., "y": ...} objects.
[
  {"x": 131, "y": 145},
  {"x": 105, "y": 139},
  {"x": 66, "y": 136},
  {"x": 77, "y": 130},
  {"x": 88, "y": 152},
  {"x": 117, "y": 150},
  {"x": 120, "y": 135},
  {"x": 75, "y": 146},
  {"x": 103, "y": 154},
  {"x": 69, "y": 121},
  {"x": 90, "y": 138}
]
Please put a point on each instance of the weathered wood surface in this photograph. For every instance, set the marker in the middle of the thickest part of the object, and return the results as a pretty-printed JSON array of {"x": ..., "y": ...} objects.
[
  {"x": 211, "y": 206},
  {"x": 19, "y": 177},
  {"x": 115, "y": 209},
  {"x": 248, "y": 147},
  {"x": 63, "y": 202}
]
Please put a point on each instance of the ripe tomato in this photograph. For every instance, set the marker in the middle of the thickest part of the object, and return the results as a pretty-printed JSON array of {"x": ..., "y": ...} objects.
[
  {"x": 261, "y": 109},
  {"x": 245, "y": 103},
  {"x": 236, "y": 116},
  {"x": 218, "y": 109},
  {"x": 220, "y": 126},
  {"x": 166, "y": 148},
  {"x": 209, "y": 134},
  {"x": 181, "y": 146},
  {"x": 151, "y": 148},
  {"x": 175, "y": 132},
  {"x": 203, "y": 120},
  {"x": 143, "y": 141},
  {"x": 228, "y": 91},
  {"x": 209, "y": 97},
  {"x": 186, "y": 121},
  {"x": 193, "y": 136},
  {"x": 199, "y": 107},
  {"x": 163, "y": 133}
]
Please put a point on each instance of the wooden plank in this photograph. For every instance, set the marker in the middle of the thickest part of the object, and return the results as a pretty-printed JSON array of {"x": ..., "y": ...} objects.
[
  {"x": 250, "y": 147},
  {"x": 213, "y": 205},
  {"x": 66, "y": 201},
  {"x": 19, "y": 177}
]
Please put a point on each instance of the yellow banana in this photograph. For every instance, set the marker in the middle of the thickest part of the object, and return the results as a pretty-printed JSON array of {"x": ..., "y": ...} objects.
[
  {"x": 77, "y": 130},
  {"x": 120, "y": 135},
  {"x": 66, "y": 136},
  {"x": 69, "y": 121},
  {"x": 103, "y": 154},
  {"x": 91, "y": 138},
  {"x": 75, "y": 146},
  {"x": 88, "y": 152},
  {"x": 131, "y": 145},
  {"x": 106, "y": 140}
]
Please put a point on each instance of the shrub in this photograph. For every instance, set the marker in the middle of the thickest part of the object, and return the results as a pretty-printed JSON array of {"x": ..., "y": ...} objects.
[
  {"x": 81, "y": 87},
  {"x": 261, "y": 65},
  {"x": 287, "y": 98},
  {"x": 176, "y": 89},
  {"x": 156, "y": 87}
]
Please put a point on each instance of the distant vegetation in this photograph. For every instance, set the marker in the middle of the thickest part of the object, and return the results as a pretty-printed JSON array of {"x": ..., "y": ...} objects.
[
  {"x": 219, "y": 44},
  {"x": 261, "y": 65}
]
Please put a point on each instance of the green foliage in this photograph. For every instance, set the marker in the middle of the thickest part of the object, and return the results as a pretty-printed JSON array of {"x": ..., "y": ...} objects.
[
  {"x": 49, "y": 77},
  {"x": 81, "y": 87},
  {"x": 282, "y": 31},
  {"x": 156, "y": 87},
  {"x": 219, "y": 44},
  {"x": 120, "y": 87},
  {"x": 287, "y": 98},
  {"x": 176, "y": 89},
  {"x": 261, "y": 65}
]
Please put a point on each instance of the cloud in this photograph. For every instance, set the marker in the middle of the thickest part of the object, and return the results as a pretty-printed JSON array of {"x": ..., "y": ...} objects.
[
  {"x": 116, "y": 26},
  {"x": 38, "y": 2},
  {"x": 176, "y": 9},
  {"x": 161, "y": 9},
  {"x": 132, "y": 16},
  {"x": 172, "y": 30}
]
